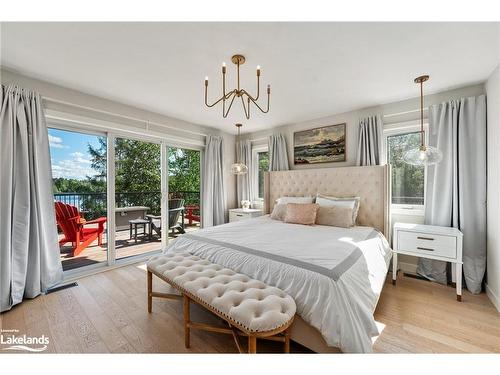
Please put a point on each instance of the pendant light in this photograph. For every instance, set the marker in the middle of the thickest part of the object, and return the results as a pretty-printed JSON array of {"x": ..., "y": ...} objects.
[
  {"x": 423, "y": 155},
  {"x": 238, "y": 167}
]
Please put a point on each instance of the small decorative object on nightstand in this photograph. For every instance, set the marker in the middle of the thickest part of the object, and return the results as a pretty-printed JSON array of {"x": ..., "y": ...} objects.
[
  {"x": 237, "y": 214},
  {"x": 431, "y": 242},
  {"x": 245, "y": 204}
]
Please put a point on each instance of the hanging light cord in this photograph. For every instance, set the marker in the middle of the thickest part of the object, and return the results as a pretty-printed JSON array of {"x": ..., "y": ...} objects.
[{"x": 422, "y": 146}]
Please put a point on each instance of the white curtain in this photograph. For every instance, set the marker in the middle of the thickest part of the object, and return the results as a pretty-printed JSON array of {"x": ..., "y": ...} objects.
[
  {"x": 456, "y": 187},
  {"x": 244, "y": 181},
  {"x": 369, "y": 141},
  {"x": 214, "y": 194},
  {"x": 29, "y": 249},
  {"x": 278, "y": 155}
]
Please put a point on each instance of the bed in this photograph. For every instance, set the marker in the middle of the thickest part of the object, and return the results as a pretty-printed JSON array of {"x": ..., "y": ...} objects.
[{"x": 334, "y": 274}]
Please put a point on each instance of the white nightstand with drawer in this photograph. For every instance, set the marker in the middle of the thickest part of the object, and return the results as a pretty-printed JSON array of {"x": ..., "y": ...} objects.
[
  {"x": 237, "y": 214},
  {"x": 431, "y": 242}
]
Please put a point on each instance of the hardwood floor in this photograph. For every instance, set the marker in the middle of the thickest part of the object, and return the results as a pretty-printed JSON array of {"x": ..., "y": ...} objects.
[
  {"x": 107, "y": 312},
  {"x": 125, "y": 247}
]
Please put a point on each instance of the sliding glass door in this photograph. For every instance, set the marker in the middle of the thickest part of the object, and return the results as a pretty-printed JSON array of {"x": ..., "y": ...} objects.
[
  {"x": 184, "y": 179},
  {"x": 80, "y": 199},
  {"x": 140, "y": 193},
  {"x": 138, "y": 223}
]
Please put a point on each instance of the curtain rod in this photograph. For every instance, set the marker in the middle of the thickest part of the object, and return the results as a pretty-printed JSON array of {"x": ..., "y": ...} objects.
[
  {"x": 404, "y": 112},
  {"x": 258, "y": 139},
  {"x": 147, "y": 122}
]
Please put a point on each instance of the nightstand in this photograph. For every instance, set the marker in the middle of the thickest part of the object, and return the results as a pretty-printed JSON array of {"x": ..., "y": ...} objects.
[
  {"x": 237, "y": 214},
  {"x": 431, "y": 242}
]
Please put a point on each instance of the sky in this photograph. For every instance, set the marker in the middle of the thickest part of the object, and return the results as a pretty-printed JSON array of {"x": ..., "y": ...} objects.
[{"x": 69, "y": 154}]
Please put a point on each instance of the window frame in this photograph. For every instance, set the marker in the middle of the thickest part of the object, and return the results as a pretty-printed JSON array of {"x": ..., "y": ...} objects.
[
  {"x": 255, "y": 166},
  {"x": 400, "y": 129}
]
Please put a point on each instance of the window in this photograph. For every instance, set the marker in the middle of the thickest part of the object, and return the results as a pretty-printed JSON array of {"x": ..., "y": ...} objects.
[
  {"x": 408, "y": 181},
  {"x": 263, "y": 161},
  {"x": 260, "y": 165}
]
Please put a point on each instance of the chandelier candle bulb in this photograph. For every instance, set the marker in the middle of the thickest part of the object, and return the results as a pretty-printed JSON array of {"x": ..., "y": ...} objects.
[
  {"x": 206, "y": 81},
  {"x": 223, "y": 68},
  {"x": 258, "y": 70}
]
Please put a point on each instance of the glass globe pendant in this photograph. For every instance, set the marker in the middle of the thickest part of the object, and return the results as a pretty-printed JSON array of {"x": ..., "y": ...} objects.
[
  {"x": 423, "y": 155},
  {"x": 239, "y": 168}
]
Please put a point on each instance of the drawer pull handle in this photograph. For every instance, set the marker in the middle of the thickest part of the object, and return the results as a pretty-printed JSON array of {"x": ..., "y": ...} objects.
[
  {"x": 425, "y": 238},
  {"x": 424, "y": 248},
  {"x": 240, "y": 215}
]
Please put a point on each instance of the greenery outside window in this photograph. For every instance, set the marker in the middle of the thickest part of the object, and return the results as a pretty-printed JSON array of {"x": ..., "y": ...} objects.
[
  {"x": 407, "y": 181},
  {"x": 261, "y": 165}
]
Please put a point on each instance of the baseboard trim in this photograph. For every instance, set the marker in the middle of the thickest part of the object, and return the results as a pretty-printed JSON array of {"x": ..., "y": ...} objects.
[{"x": 495, "y": 300}]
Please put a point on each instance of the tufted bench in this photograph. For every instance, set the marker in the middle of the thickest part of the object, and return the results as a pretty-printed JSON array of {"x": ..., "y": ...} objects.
[{"x": 250, "y": 307}]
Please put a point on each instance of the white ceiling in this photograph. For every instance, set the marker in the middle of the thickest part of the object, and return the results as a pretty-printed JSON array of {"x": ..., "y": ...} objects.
[{"x": 315, "y": 69}]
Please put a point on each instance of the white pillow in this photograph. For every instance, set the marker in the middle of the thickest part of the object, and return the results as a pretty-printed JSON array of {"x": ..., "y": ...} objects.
[
  {"x": 285, "y": 200},
  {"x": 328, "y": 201}
]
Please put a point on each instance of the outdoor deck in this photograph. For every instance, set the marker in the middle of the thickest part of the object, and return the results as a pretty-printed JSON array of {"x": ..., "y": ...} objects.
[{"x": 125, "y": 247}]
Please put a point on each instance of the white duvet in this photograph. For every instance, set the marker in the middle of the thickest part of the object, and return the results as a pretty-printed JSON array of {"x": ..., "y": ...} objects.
[{"x": 335, "y": 275}]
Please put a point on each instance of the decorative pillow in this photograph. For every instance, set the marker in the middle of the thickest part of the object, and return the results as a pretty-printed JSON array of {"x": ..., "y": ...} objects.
[
  {"x": 335, "y": 216},
  {"x": 301, "y": 213},
  {"x": 284, "y": 200},
  {"x": 279, "y": 212},
  {"x": 328, "y": 201}
]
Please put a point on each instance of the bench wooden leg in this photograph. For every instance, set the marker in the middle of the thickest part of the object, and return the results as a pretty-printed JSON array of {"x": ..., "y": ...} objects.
[
  {"x": 186, "y": 322},
  {"x": 287, "y": 340},
  {"x": 252, "y": 344},
  {"x": 150, "y": 291}
]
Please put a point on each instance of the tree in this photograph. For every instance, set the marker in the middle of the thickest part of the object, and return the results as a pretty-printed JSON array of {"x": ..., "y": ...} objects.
[
  {"x": 138, "y": 174},
  {"x": 407, "y": 180},
  {"x": 184, "y": 174},
  {"x": 263, "y": 167}
]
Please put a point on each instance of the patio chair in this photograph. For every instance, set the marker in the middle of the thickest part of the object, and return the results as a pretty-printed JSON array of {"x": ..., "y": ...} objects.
[
  {"x": 175, "y": 209},
  {"x": 73, "y": 225}
]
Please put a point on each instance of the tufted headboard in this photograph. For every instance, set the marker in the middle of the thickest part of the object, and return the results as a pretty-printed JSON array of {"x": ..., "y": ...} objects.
[{"x": 371, "y": 184}]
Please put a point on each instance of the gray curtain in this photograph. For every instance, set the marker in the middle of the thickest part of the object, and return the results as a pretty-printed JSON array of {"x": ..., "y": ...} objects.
[
  {"x": 214, "y": 193},
  {"x": 29, "y": 248},
  {"x": 456, "y": 187},
  {"x": 369, "y": 141},
  {"x": 244, "y": 186},
  {"x": 278, "y": 156}
]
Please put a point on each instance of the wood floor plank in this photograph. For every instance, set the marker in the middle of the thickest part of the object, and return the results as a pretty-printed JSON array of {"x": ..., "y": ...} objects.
[{"x": 107, "y": 313}]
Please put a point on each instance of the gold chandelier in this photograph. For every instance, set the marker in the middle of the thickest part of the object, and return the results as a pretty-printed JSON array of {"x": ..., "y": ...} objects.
[{"x": 237, "y": 92}]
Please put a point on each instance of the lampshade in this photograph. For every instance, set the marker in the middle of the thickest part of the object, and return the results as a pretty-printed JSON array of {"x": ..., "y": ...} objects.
[{"x": 423, "y": 156}]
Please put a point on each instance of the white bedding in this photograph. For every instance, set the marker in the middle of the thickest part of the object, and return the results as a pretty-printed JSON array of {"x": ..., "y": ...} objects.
[{"x": 335, "y": 275}]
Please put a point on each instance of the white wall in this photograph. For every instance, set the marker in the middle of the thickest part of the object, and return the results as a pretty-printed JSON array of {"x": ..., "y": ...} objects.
[
  {"x": 493, "y": 207},
  {"x": 407, "y": 263},
  {"x": 352, "y": 120},
  {"x": 177, "y": 129}
]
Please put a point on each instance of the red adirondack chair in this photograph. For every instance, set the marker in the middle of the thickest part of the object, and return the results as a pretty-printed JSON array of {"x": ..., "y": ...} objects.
[{"x": 72, "y": 225}]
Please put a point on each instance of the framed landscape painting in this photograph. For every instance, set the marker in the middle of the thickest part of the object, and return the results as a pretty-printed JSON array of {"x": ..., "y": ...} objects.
[{"x": 320, "y": 145}]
